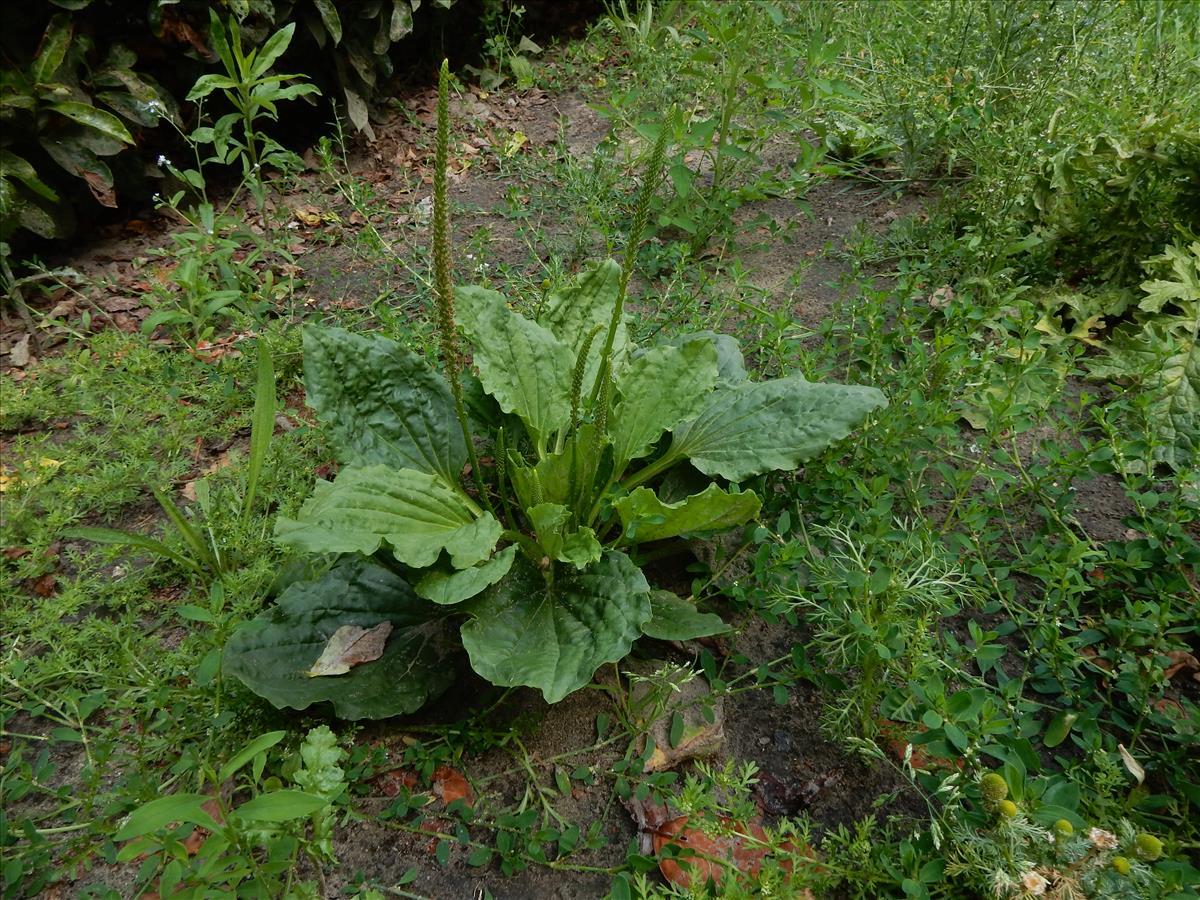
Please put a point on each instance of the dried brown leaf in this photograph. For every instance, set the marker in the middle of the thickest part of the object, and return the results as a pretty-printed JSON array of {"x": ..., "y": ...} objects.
[{"x": 350, "y": 645}]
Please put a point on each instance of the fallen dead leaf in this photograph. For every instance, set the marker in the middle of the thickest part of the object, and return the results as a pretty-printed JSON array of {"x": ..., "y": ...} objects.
[
  {"x": 349, "y": 646},
  {"x": 697, "y": 737},
  {"x": 741, "y": 847},
  {"x": 194, "y": 841},
  {"x": 46, "y": 585},
  {"x": 101, "y": 190},
  {"x": 1181, "y": 661},
  {"x": 1095, "y": 659},
  {"x": 898, "y": 737},
  {"x": 450, "y": 785},
  {"x": 942, "y": 297},
  {"x": 120, "y": 304},
  {"x": 223, "y": 461},
  {"x": 1132, "y": 765},
  {"x": 18, "y": 353},
  {"x": 1170, "y": 708},
  {"x": 308, "y": 215},
  {"x": 390, "y": 783}
]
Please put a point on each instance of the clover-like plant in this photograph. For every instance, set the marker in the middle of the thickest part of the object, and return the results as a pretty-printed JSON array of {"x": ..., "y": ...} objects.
[{"x": 521, "y": 554}]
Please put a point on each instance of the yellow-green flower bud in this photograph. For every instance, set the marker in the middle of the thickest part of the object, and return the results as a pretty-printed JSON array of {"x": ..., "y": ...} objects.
[
  {"x": 1148, "y": 847},
  {"x": 1120, "y": 865},
  {"x": 993, "y": 787},
  {"x": 1007, "y": 808},
  {"x": 1063, "y": 828}
]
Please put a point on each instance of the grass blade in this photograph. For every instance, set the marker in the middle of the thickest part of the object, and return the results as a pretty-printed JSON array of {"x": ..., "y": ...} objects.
[
  {"x": 190, "y": 536},
  {"x": 128, "y": 539},
  {"x": 262, "y": 425}
]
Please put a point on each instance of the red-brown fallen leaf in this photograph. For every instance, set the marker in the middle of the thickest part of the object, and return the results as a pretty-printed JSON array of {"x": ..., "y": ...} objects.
[
  {"x": 898, "y": 736},
  {"x": 390, "y": 783},
  {"x": 101, "y": 190},
  {"x": 1181, "y": 660},
  {"x": 708, "y": 856},
  {"x": 743, "y": 849},
  {"x": 121, "y": 304},
  {"x": 1170, "y": 708},
  {"x": 1090, "y": 654},
  {"x": 16, "y": 552},
  {"x": 450, "y": 785},
  {"x": 194, "y": 841},
  {"x": 46, "y": 586}
]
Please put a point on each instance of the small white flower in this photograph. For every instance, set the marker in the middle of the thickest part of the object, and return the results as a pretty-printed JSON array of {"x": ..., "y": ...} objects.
[
  {"x": 1101, "y": 839},
  {"x": 155, "y": 108},
  {"x": 1034, "y": 884},
  {"x": 157, "y": 198},
  {"x": 163, "y": 161}
]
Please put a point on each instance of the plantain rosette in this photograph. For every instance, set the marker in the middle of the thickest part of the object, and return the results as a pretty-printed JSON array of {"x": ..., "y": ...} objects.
[{"x": 535, "y": 581}]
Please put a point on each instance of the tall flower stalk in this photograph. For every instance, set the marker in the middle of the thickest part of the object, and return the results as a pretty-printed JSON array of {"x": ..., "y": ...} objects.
[
  {"x": 443, "y": 286},
  {"x": 641, "y": 215}
]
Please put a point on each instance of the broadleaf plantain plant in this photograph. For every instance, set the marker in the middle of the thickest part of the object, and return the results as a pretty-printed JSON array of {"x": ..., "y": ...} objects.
[{"x": 529, "y": 562}]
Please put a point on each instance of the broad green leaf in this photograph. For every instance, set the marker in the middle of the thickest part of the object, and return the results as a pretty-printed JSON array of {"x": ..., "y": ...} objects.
[
  {"x": 676, "y": 619},
  {"x": 356, "y": 109},
  {"x": 53, "y": 49},
  {"x": 329, "y": 15},
  {"x": 98, "y": 119},
  {"x": 82, "y": 162},
  {"x": 659, "y": 389},
  {"x": 414, "y": 513},
  {"x": 524, "y": 633},
  {"x": 158, "y": 814},
  {"x": 1183, "y": 288},
  {"x": 646, "y": 518},
  {"x": 380, "y": 403},
  {"x": 447, "y": 587},
  {"x": 271, "y": 653},
  {"x": 1162, "y": 359},
  {"x": 579, "y": 547},
  {"x": 280, "y": 806},
  {"x": 45, "y": 219},
  {"x": 401, "y": 20},
  {"x": 731, "y": 366},
  {"x": 588, "y": 300},
  {"x": 270, "y": 51},
  {"x": 1059, "y": 728},
  {"x": 762, "y": 426},
  {"x": 136, "y": 99},
  {"x": 522, "y": 364}
]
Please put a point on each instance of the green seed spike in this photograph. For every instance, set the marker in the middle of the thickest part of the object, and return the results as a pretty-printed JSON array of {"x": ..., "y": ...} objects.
[
  {"x": 577, "y": 379},
  {"x": 443, "y": 286},
  {"x": 641, "y": 215}
]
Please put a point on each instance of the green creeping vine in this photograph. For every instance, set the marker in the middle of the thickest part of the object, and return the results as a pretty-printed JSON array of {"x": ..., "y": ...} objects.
[{"x": 529, "y": 571}]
